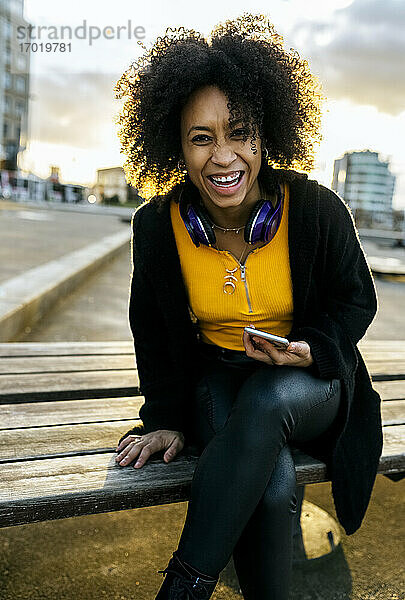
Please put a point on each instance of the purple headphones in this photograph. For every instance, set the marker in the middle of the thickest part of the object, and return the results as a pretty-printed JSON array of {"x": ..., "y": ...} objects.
[{"x": 262, "y": 224}]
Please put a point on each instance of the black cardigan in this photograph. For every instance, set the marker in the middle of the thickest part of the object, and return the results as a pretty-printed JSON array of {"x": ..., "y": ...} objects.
[{"x": 334, "y": 303}]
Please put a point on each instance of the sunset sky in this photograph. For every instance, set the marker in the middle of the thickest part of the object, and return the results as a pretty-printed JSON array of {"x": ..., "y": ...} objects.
[{"x": 356, "y": 48}]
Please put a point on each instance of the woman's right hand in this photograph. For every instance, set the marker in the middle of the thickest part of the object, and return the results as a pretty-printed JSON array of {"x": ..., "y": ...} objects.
[{"x": 143, "y": 446}]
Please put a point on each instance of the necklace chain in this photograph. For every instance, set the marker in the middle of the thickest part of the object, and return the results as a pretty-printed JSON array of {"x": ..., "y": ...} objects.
[
  {"x": 229, "y": 278},
  {"x": 243, "y": 251},
  {"x": 237, "y": 229}
]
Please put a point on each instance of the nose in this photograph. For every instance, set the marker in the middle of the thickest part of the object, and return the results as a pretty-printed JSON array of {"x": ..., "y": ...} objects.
[{"x": 223, "y": 155}]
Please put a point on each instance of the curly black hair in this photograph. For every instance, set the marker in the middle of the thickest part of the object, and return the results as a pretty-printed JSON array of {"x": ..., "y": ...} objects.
[{"x": 271, "y": 88}]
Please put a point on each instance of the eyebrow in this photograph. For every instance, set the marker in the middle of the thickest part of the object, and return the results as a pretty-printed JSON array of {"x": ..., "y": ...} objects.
[{"x": 203, "y": 128}]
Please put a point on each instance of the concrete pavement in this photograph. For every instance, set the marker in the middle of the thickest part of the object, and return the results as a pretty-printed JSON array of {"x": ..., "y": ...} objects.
[
  {"x": 32, "y": 235},
  {"x": 67, "y": 249}
]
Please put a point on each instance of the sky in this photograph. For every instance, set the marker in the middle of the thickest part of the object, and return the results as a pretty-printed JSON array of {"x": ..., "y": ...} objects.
[{"x": 356, "y": 48}]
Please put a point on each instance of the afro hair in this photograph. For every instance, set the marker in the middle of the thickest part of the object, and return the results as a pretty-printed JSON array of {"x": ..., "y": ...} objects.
[{"x": 273, "y": 89}]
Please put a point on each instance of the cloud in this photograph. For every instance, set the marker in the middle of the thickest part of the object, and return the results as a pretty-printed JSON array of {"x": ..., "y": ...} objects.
[
  {"x": 72, "y": 109},
  {"x": 359, "y": 52}
]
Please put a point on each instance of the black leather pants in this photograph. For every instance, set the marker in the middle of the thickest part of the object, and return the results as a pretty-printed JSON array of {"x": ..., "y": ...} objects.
[{"x": 243, "y": 500}]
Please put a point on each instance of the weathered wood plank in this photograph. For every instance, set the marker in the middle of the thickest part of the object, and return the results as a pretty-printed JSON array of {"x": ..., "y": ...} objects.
[
  {"x": 64, "y": 348},
  {"x": 50, "y": 386},
  {"x": 380, "y": 344},
  {"x": 66, "y": 364},
  {"x": 390, "y": 390},
  {"x": 393, "y": 454},
  {"x": 383, "y": 364},
  {"x": 66, "y": 487},
  {"x": 381, "y": 367},
  {"x": 393, "y": 413},
  {"x": 32, "y": 443},
  {"x": 15, "y": 348},
  {"x": 43, "y": 387},
  {"x": 382, "y": 357},
  {"x": 382, "y": 370},
  {"x": 44, "y": 491},
  {"x": 64, "y": 412},
  {"x": 36, "y": 442}
]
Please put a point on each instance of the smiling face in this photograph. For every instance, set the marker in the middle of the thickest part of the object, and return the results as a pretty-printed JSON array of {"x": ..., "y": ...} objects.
[{"x": 214, "y": 150}]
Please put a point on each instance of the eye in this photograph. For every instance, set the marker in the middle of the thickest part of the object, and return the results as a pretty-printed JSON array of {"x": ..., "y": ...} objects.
[
  {"x": 199, "y": 138},
  {"x": 239, "y": 132}
]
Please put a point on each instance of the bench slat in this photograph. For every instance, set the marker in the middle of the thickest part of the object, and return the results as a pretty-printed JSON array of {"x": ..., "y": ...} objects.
[
  {"x": 379, "y": 364},
  {"x": 385, "y": 356},
  {"x": 44, "y": 491},
  {"x": 62, "y": 412},
  {"x": 24, "y": 349},
  {"x": 96, "y": 384},
  {"x": 393, "y": 412},
  {"x": 99, "y": 384},
  {"x": 27, "y": 443},
  {"x": 49, "y": 349},
  {"x": 387, "y": 365},
  {"x": 83, "y": 440},
  {"x": 390, "y": 390},
  {"x": 66, "y": 364}
]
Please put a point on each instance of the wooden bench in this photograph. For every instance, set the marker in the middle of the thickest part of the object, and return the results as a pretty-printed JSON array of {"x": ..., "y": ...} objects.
[{"x": 65, "y": 405}]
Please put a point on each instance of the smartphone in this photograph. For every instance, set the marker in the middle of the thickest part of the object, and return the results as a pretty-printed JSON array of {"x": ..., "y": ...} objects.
[{"x": 276, "y": 340}]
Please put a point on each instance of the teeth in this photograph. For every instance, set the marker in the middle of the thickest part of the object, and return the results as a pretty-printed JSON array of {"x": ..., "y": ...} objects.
[{"x": 226, "y": 179}]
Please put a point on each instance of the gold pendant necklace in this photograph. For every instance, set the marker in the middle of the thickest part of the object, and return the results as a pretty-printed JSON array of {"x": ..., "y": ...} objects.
[{"x": 229, "y": 285}]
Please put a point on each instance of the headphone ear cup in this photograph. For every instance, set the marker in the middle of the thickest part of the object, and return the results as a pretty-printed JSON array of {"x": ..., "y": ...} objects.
[
  {"x": 251, "y": 234},
  {"x": 196, "y": 220},
  {"x": 202, "y": 215}
]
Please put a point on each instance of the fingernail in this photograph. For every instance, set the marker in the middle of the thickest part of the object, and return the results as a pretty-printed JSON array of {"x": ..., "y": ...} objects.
[{"x": 137, "y": 464}]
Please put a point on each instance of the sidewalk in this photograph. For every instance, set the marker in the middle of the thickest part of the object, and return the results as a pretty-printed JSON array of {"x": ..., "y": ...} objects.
[
  {"x": 32, "y": 236},
  {"x": 25, "y": 300},
  {"x": 384, "y": 260}
]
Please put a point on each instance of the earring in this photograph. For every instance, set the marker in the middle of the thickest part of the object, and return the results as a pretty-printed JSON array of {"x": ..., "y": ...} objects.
[
  {"x": 181, "y": 164},
  {"x": 265, "y": 153}
]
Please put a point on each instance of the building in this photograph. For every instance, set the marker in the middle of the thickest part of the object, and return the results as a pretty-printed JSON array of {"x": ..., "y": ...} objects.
[
  {"x": 367, "y": 185},
  {"x": 112, "y": 187},
  {"x": 14, "y": 84}
]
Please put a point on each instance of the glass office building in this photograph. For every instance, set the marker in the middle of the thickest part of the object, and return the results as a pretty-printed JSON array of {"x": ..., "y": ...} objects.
[{"x": 367, "y": 185}]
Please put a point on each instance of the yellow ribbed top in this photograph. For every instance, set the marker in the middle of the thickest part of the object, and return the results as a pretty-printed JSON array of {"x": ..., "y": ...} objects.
[{"x": 263, "y": 298}]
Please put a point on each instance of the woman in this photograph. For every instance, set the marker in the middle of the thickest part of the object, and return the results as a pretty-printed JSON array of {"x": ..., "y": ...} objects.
[{"x": 237, "y": 237}]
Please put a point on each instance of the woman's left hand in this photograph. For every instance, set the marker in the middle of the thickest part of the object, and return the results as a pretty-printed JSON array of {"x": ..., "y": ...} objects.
[{"x": 297, "y": 354}]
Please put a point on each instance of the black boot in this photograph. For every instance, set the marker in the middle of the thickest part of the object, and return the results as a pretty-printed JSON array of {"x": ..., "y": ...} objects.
[{"x": 181, "y": 584}]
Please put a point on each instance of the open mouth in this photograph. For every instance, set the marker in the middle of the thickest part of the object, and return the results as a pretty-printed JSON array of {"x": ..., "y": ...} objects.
[{"x": 226, "y": 182}]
